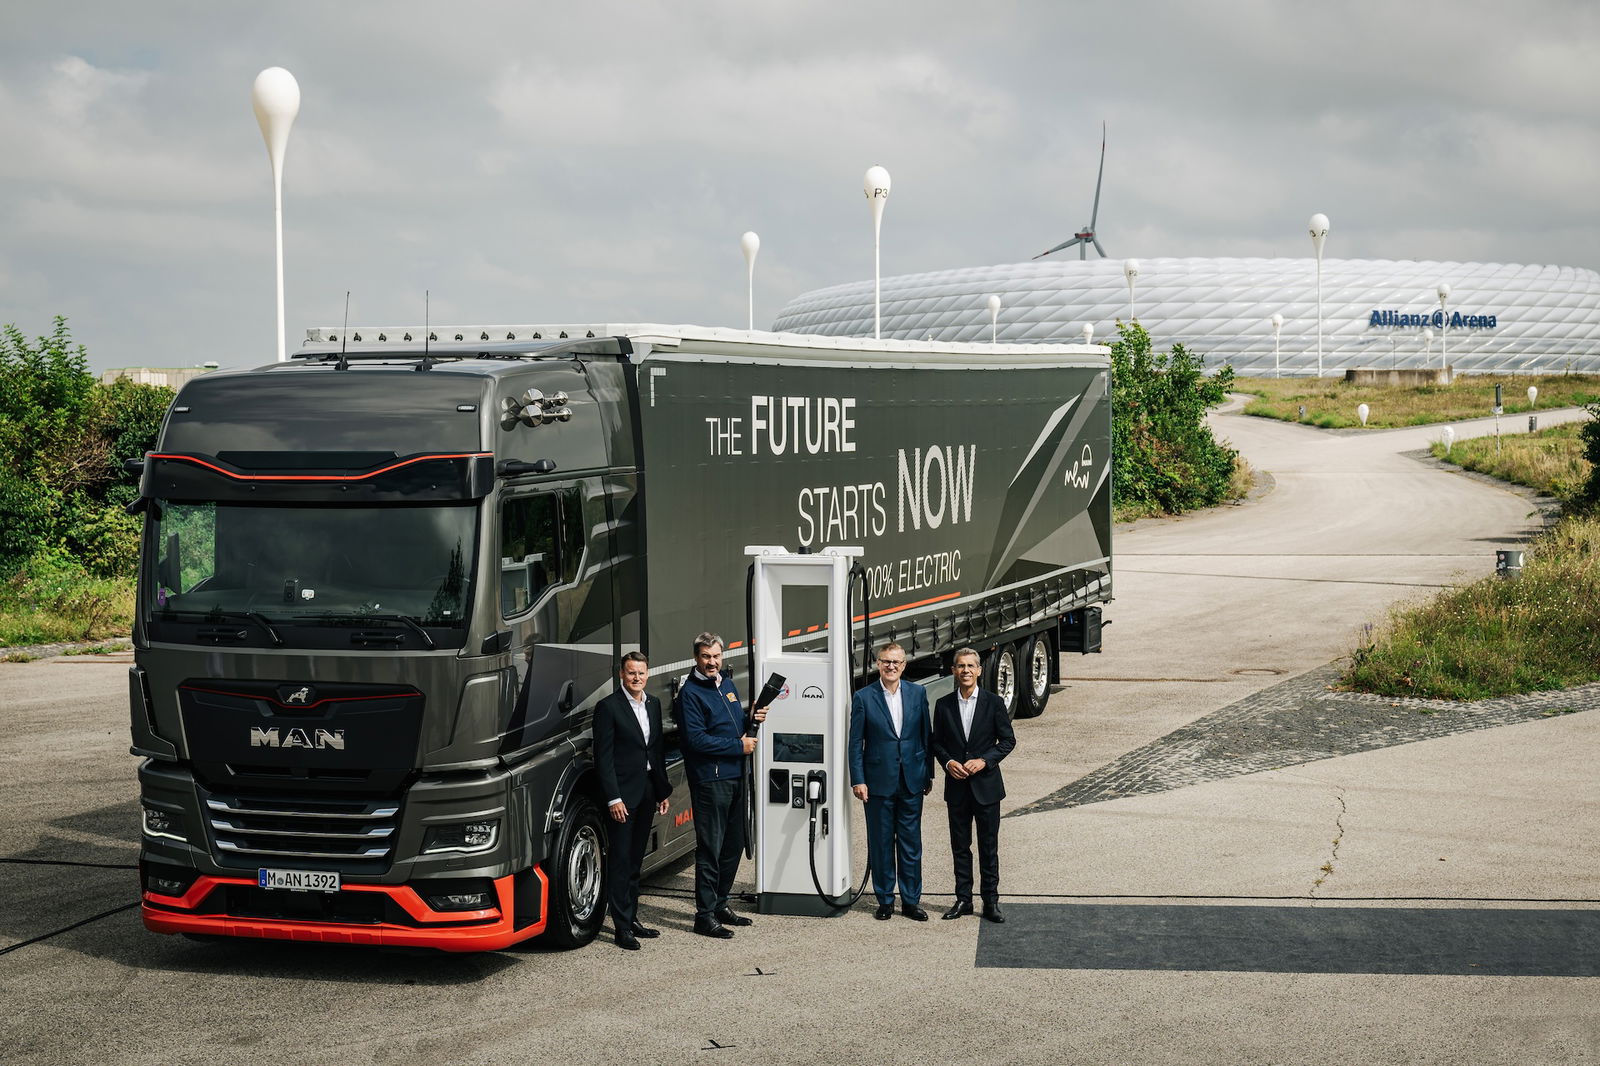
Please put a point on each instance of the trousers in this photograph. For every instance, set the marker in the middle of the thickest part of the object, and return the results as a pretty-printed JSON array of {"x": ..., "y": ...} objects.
[{"x": 718, "y": 842}]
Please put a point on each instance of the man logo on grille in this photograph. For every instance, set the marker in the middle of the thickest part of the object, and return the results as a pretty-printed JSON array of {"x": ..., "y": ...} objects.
[
  {"x": 300, "y": 695},
  {"x": 271, "y": 737}
]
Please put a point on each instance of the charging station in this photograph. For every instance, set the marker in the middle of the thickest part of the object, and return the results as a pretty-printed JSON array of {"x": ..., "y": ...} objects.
[{"x": 802, "y": 779}]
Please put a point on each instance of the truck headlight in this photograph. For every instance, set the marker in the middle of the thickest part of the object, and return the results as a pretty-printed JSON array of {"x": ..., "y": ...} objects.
[
  {"x": 463, "y": 836},
  {"x": 159, "y": 823}
]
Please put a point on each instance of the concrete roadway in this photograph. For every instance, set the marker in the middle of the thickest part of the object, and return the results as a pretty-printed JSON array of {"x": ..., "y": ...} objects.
[{"x": 1210, "y": 608}]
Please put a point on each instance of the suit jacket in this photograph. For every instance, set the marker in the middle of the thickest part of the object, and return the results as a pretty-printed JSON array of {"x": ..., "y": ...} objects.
[
  {"x": 879, "y": 759},
  {"x": 992, "y": 740},
  {"x": 620, "y": 752}
]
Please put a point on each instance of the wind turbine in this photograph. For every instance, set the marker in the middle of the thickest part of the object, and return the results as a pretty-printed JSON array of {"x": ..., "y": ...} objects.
[{"x": 1085, "y": 237}]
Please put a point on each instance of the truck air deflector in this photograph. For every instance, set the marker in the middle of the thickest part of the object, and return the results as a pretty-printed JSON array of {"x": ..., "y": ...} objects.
[{"x": 419, "y": 478}]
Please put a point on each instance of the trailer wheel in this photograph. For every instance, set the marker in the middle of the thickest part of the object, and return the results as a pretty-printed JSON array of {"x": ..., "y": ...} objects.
[
  {"x": 1035, "y": 680},
  {"x": 1001, "y": 677},
  {"x": 578, "y": 884}
]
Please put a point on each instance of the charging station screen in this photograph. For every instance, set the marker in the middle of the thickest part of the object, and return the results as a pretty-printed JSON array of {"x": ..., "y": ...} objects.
[{"x": 797, "y": 747}]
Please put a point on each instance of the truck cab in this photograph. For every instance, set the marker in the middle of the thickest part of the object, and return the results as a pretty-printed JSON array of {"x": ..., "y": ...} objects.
[{"x": 379, "y": 597}]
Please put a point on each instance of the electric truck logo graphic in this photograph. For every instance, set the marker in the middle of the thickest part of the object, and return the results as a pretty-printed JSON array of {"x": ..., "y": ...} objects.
[
  {"x": 1078, "y": 476},
  {"x": 318, "y": 739}
]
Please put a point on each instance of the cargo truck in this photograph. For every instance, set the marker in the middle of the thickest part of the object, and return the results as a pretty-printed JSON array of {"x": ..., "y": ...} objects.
[{"x": 383, "y": 584}]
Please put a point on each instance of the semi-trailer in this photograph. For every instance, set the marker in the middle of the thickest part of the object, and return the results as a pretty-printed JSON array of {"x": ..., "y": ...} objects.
[{"x": 383, "y": 584}]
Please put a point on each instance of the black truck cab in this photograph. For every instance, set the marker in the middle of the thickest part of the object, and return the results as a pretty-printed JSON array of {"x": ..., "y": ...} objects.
[{"x": 381, "y": 594}]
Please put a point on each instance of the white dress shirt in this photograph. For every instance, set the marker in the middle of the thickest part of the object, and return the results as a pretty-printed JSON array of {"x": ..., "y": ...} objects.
[
  {"x": 969, "y": 707},
  {"x": 895, "y": 713},
  {"x": 643, "y": 714}
]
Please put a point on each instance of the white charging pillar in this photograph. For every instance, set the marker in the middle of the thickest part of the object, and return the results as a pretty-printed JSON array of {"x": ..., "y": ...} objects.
[{"x": 807, "y": 731}]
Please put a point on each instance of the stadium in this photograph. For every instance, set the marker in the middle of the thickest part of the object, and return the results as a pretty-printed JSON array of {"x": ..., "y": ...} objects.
[{"x": 1376, "y": 313}]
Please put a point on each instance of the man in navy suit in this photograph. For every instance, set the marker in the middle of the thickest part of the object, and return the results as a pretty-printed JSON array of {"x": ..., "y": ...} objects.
[
  {"x": 971, "y": 734},
  {"x": 891, "y": 769},
  {"x": 630, "y": 757}
]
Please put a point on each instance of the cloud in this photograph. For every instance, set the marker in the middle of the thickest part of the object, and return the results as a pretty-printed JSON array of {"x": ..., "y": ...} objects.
[{"x": 786, "y": 107}]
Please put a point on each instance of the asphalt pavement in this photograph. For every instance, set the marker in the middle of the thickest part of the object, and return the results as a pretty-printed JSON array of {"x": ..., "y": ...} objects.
[{"x": 1207, "y": 857}]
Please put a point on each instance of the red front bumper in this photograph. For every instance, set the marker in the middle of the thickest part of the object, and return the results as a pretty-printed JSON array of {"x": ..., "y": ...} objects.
[{"x": 482, "y": 930}]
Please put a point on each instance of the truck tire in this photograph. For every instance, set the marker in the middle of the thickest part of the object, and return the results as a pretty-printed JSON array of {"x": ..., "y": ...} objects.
[
  {"x": 577, "y": 882},
  {"x": 1002, "y": 677},
  {"x": 1034, "y": 682}
]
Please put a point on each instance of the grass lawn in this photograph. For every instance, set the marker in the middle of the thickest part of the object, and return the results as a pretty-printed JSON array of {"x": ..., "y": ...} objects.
[
  {"x": 1497, "y": 636},
  {"x": 1331, "y": 404},
  {"x": 1550, "y": 460}
]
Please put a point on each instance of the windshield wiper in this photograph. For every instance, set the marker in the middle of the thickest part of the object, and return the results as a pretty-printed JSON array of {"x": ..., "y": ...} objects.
[
  {"x": 405, "y": 620},
  {"x": 261, "y": 620},
  {"x": 218, "y": 614}
]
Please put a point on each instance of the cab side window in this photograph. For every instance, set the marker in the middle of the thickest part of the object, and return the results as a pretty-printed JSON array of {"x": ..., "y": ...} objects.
[{"x": 541, "y": 545}]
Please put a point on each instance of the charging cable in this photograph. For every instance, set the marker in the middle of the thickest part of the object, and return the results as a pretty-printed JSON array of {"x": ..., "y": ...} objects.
[{"x": 816, "y": 785}]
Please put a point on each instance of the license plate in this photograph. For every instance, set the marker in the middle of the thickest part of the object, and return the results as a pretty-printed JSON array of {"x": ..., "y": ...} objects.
[{"x": 300, "y": 880}]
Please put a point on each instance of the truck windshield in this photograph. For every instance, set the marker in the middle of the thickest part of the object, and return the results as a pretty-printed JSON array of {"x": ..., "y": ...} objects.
[{"x": 299, "y": 565}]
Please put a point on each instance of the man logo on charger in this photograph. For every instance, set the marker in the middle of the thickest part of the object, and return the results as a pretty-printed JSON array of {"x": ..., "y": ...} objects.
[
  {"x": 319, "y": 739},
  {"x": 811, "y": 692}
]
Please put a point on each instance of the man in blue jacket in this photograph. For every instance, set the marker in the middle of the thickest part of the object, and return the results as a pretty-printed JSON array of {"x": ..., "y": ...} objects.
[
  {"x": 891, "y": 769},
  {"x": 714, "y": 750}
]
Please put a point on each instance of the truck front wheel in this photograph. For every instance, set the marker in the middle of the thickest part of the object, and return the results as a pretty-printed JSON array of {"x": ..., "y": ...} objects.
[{"x": 578, "y": 884}]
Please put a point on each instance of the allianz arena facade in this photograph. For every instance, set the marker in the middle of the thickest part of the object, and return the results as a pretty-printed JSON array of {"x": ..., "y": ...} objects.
[{"x": 1502, "y": 317}]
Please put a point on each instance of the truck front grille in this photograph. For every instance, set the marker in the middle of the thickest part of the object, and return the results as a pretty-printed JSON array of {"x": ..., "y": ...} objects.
[{"x": 303, "y": 828}]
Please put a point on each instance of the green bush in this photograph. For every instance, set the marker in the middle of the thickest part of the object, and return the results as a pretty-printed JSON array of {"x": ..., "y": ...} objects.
[
  {"x": 63, "y": 439},
  {"x": 52, "y": 599},
  {"x": 1165, "y": 458},
  {"x": 1587, "y": 498}
]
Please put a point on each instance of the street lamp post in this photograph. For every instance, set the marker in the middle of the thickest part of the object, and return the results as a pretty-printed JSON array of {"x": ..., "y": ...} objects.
[
  {"x": 994, "y": 318},
  {"x": 750, "y": 244},
  {"x": 1130, "y": 270},
  {"x": 1427, "y": 346},
  {"x": 1444, "y": 323},
  {"x": 1088, "y": 333},
  {"x": 275, "y": 98},
  {"x": 876, "y": 186},
  {"x": 1319, "y": 233},
  {"x": 1277, "y": 328}
]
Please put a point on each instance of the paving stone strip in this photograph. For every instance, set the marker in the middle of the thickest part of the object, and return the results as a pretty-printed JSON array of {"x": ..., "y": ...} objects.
[{"x": 1295, "y": 722}]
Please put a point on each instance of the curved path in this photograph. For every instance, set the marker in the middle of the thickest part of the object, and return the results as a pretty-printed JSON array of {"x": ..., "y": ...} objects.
[{"x": 1216, "y": 605}]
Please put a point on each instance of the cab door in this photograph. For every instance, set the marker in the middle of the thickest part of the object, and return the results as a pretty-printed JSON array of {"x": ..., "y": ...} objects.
[{"x": 542, "y": 537}]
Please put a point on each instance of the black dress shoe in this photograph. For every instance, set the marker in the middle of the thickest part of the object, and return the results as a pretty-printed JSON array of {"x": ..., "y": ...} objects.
[
  {"x": 958, "y": 908},
  {"x": 991, "y": 912},
  {"x": 644, "y": 932},
  {"x": 713, "y": 929},
  {"x": 626, "y": 940},
  {"x": 884, "y": 912},
  {"x": 727, "y": 917},
  {"x": 914, "y": 912}
]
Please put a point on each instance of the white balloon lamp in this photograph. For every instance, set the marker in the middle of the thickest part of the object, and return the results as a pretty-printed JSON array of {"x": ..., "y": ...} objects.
[{"x": 275, "y": 98}]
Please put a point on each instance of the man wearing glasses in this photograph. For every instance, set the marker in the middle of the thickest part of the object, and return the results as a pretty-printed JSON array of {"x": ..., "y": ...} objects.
[{"x": 891, "y": 769}]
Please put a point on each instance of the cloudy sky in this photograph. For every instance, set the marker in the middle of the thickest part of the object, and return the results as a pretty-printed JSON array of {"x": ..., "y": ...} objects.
[{"x": 544, "y": 162}]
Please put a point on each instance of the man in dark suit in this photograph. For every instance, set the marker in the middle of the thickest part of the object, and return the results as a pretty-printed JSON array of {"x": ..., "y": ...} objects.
[
  {"x": 630, "y": 757},
  {"x": 891, "y": 769},
  {"x": 971, "y": 734}
]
